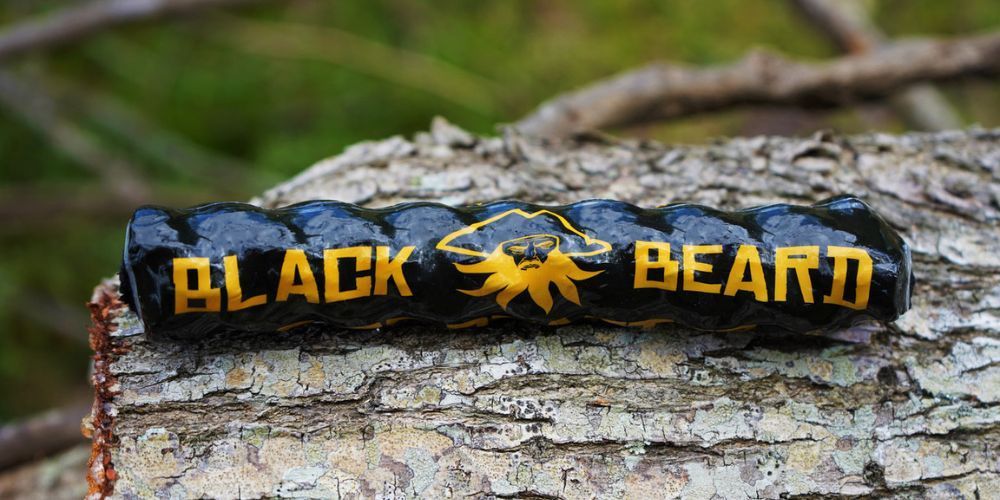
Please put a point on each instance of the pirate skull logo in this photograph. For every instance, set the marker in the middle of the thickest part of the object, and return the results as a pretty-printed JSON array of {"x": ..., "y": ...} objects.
[{"x": 522, "y": 251}]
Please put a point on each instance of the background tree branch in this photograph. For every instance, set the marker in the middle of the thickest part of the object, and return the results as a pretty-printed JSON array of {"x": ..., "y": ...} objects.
[
  {"x": 41, "y": 435},
  {"x": 663, "y": 91},
  {"x": 288, "y": 40},
  {"x": 39, "y": 110},
  {"x": 79, "y": 21},
  {"x": 848, "y": 27},
  {"x": 30, "y": 99}
]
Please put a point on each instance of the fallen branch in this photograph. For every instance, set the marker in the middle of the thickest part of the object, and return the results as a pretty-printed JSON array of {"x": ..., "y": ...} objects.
[
  {"x": 852, "y": 32},
  {"x": 663, "y": 91},
  {"x": 41, "y": 435},
  {"x": 74, "y": 23}
]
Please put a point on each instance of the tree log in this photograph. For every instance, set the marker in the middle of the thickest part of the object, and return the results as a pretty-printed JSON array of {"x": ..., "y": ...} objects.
[{"x": 591, "y": 410}]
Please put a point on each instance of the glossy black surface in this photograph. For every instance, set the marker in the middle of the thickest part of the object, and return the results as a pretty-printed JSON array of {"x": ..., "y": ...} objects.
[{"x": 259, "y": 238}]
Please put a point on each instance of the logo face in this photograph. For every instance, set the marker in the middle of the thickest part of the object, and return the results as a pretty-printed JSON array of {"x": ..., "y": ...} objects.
[{"x": 523, "y": 251}]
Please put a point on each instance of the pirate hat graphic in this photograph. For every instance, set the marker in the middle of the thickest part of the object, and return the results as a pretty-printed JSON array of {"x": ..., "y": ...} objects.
[{"x": 482, "y": 238}]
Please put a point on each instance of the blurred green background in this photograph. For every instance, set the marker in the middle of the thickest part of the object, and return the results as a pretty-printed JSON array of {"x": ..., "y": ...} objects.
[{"x": 222, "y": 104}]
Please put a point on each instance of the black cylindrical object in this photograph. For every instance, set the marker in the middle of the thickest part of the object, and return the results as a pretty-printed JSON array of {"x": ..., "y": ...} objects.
[{"x": 237, "y": 266}]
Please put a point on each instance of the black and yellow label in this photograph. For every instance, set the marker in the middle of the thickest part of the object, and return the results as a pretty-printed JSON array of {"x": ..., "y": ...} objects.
[
  {"x": 537, "y": 263},
  {"x": 236, "y": 266}
]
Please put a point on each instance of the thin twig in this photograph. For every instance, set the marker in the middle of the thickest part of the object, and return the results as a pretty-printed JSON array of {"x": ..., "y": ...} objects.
[
  {"x": 41, "y": 435},
  {"x": 226, "y": 175},
  {"x": 38, "y": 109},
  {"x": 28, "y": 207},
  {"x": 848, "y": 30},
  {"x": 847, "y": 26},
  {"x": 392, "y": 64},
  {"x": 68, "y": 321},
  {"x": 79, "y": 21},
  {"x": 664, "y": 91}
]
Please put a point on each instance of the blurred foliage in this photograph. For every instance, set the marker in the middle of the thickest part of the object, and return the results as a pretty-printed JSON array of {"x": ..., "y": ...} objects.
[{"x": 268, "y": 90}]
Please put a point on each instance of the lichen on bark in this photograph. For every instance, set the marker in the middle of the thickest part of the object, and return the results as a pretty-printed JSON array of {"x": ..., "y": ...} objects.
[{"x": 586, "y": 410}]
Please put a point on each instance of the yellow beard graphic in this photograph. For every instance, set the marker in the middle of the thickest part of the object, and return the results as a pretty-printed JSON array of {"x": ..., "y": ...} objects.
[{"x": 531, "y": 263}]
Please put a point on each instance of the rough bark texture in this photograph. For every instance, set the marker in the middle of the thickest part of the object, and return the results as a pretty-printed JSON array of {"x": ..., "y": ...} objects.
[{"x": 591, "y": 410}]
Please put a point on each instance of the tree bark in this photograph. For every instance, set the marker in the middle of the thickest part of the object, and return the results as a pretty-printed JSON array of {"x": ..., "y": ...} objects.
[{"x": 591, "y": 410}]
